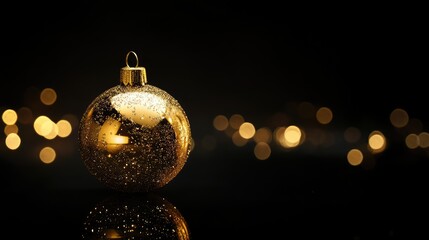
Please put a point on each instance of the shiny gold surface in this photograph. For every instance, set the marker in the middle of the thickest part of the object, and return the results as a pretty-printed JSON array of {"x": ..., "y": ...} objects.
[{"x": 134, "y": 138}]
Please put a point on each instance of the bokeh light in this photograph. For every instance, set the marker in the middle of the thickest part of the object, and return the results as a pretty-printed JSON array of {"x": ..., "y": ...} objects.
[
  {"x": 292, "y": 136},
  {"x": 48, "y": 96},
  {"x": 399, "y": 118},
  {"x": 13, "y": 141},
  {"x": 354, "y": 157},
  {"x": 424, "y": 139},
  {"x": 9, "y": 117},
  {"x": 220, "y": 122},
  {"x": 412, "y": 141},
  {"x": 376, "y": 141},
  {"x": 263, "y": 135},
  {"x": 235, "y": 121},
  {"x": 262, "y": 151},
  {"x": 238, "y": 140},
  {"x": 324, "y": 115},
  {"x": 8, "y": 129},
  {"x": 47, "y": 155},
  {"x": 247, "y": 130},
  {"x": 43, "y": 125},
  {"x": 64, "y": 128}
]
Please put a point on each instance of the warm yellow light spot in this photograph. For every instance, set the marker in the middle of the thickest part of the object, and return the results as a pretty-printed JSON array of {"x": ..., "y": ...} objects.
[
  {"x": 46, "y": 128},
  {"x": 48, "y": 96},
  {"x": 47, "y": 155},
  {"x": 412, "y": 141},
  {"x": 13, "y": 141},
  {"x": 42, "y": 125},
  {"x": 25, "y": 115},
  {"x": 220, "y": 122},
  {"x": 280, "y": 137},
  {"x": 64, "y": 128},
  {"x": 352, "y": 135},
  {"x": 354, "y": 157},
  {"x": 263, "y": 135},
  {"x": 399, "y": 118},
  {"x": 9, "y": 117},
  {"x": 235, "y": 121},
  {"x": 238, "y": 140},
  {"x": 377, "y": 141},
  {"x": 53, "y": 133},
  {"x": 247, "y": 130},
  {"x": 424, "y": 140},
  {"x": 8, "y": 129},
  {"x": 292, "y": 135},
  {"x": 324, "y": 115},
  {"x": 262, "y": 151}
]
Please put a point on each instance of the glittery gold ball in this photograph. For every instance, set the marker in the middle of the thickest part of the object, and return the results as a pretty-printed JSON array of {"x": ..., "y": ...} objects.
[
  {"x": 134, "y": 138},
  {"x": 135, "y": 217}
]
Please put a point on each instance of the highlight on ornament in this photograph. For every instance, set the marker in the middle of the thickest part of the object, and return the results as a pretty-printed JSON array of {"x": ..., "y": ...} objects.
[{"x": 134, "y": 137}]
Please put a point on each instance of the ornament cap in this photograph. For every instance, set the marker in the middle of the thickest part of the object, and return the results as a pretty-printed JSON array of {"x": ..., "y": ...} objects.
[{"x": 133, "y": 76}]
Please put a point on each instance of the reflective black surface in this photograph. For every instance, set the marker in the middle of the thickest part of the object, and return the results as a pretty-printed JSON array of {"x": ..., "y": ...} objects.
[
  {"x": 221, "y": 196},
  {"x": 259, "y": 60}
]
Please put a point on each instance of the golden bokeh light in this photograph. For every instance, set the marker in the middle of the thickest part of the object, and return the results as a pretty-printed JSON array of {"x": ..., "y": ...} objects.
[
  {"x": 377, "y": 141},
  {"x": 235, "y": 121},
  {"x": 220, "y": 122},
  {"x": 9, "y": 117},
  {"x": 53, "y": 133},
  {"x": 324, "y": 115},
  {"x": 352, "y": 135},
  {"x": 263, "y": 135},
  {"x": 399, "y": 118},
  {"x": 292, "y": 136},
  {"x": 238, "y": 140},
  {"x": 354, "y": 157},
  {"x": 280, "y": 137},
  {"x": 43, "y": 125},
  {"x": 247, "y": 130},
  {"x": 48, "y": 96},
  {"x": 64, "y": 128},
  {"x": 412, "y": 141},
  {"x": 8, "y": 129},
  {"x": 262, "y": 151},
  {"x": 47, "y": 155},
  {"x": 424, "y": 140},
  {"x": 13, "y": 141}
]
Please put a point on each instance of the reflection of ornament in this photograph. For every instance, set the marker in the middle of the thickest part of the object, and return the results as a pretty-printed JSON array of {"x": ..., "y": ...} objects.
[
  {"x": 146, "y": 216},
  {"x": 134, "y": 137}
]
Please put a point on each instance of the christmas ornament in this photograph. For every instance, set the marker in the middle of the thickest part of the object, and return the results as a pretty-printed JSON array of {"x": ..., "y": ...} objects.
[
  {"x": 134, "y": 137},
  {"x": 135, "y": 217}
]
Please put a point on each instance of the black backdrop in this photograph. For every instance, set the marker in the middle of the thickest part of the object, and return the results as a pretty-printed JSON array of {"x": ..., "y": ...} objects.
[{"x": 256, "y": 59}]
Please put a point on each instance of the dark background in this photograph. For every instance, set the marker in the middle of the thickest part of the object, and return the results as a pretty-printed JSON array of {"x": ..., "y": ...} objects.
[{"x": 255, "y": 59}]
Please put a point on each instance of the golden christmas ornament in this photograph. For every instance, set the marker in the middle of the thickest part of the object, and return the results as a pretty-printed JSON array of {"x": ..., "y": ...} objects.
[{"x": 134, "y": 137}]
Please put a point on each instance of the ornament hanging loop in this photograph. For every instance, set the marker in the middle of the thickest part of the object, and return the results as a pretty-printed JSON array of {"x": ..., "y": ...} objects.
[
  {"x": 135, "y": 56},
  {"x": 133, "y": 76}
]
